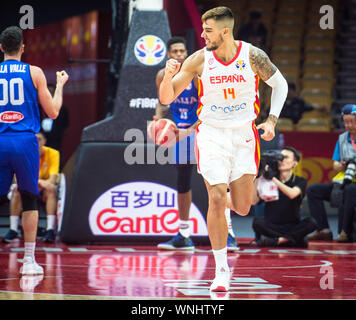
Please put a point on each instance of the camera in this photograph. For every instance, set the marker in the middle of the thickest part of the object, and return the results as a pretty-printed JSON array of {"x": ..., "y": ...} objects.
[
  {"x": 270, "y": 158},
  {"x": 350, "y": 171},
  {"x": 337, "y": 193}
]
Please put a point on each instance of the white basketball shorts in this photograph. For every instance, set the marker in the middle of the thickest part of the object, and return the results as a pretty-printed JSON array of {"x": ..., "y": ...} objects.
[{"x": 224, "y": 155}]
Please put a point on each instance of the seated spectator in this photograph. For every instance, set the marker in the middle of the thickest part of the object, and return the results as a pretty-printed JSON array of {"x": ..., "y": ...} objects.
[
  {"x": 274, "y": 144},
  {"x": 344, "y": 154},
  {"x": 294, "y": 107},
  {"x": 282, "y": 224},
  {"x": 254, "y": 31},
  {"x": 49, "y": 168}
]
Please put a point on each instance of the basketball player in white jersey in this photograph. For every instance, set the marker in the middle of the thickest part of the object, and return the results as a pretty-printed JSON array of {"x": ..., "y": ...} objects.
[{"x": 227, "y": 143}]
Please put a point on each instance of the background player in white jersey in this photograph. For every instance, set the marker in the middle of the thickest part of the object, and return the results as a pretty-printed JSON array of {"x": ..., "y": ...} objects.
[{"x": 227, "y": 145}]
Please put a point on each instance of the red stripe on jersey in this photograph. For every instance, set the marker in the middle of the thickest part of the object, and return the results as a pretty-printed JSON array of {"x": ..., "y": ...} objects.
[
  {"x": 233, "y": 59},
  {"x": 200, "y": 94},
  {"x": 256, "y": 104}
]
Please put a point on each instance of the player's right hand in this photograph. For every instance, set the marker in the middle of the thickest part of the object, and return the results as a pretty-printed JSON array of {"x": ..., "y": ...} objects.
[
  {"x": 62, "y": 77},
  {"x": 172, "y": 67}
]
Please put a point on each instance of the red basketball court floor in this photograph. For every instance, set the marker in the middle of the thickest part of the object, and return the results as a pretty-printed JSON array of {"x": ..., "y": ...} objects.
[{"x": 325, "y": 270}]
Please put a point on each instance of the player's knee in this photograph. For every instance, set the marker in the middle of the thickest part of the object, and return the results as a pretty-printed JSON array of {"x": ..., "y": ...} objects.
[
  {"x": 243, "y": 212},
  {"x": 242, "y": 209},
  {"x": 217, "y": 198},
  {"x": 184, "y": 173},
  {"x": 29, "y": 201},
  {"x": 183, "y": 186}
]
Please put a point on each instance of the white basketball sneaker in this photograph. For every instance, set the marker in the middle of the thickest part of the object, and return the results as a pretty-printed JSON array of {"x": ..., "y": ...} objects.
[
  {"x": 221, "y": 282},
  {"x": 29, "y": 282},
  {"x": 31, "y": 268}
]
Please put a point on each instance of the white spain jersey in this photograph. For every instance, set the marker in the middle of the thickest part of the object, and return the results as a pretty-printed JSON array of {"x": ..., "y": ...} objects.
[{"x": 228, "y": 92}]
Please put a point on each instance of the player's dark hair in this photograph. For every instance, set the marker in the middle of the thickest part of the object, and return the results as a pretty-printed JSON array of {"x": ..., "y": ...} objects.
[
  {"x": 175, "y": 40},
  {"x": 295, "y": 152},
  {"x": 11, "y": 40},
  {"x": 218, "y": 14}
]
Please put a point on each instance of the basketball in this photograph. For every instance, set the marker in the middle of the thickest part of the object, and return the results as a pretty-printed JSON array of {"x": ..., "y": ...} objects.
[{"x": 162, "y": 132}]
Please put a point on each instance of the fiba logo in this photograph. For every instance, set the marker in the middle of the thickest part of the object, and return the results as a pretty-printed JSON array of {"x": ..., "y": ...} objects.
[
  {"x": 240, "y": 65},
  {"x": 150, "y": 50}
]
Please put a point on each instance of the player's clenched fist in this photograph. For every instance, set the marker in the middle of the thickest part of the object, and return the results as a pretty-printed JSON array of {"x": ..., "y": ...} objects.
[
  {"x": 62, "y": 77},
  {"x": 172, "y": 67}
]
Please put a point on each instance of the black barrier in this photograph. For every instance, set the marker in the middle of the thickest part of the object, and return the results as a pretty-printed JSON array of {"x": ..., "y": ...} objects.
[
  {"x": 136, "y": 96},
  {"x": 110, "y": 200}
]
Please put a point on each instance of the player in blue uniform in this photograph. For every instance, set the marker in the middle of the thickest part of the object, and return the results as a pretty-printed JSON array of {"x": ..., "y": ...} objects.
[
  {"x": 21, "y": 86},
  {"x": 184, "y": 114}
]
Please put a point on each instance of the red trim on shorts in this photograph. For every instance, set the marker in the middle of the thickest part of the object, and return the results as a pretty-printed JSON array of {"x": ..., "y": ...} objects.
[
  {"x": 257, "y": 146},
  {"x": 233, "y": 59},
  {"x": 196, "y": 149},
  {"x": 256, "y": 105}
]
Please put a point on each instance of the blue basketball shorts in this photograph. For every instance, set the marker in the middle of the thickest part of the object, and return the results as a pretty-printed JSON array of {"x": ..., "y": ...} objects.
[
  {"x": 183, "y": 151},
  {"x": 19, "y": 155}
]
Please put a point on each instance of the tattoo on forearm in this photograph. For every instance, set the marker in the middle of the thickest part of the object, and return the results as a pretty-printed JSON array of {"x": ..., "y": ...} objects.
[
  {"x": 261, "y": 63},
  {"x": 273, "y": 119}
]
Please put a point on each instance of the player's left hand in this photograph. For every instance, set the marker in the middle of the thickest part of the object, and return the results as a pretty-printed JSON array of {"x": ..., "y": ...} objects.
[
  {"x": 268, "y": 130},
  {"x": 62, "y": 77}
]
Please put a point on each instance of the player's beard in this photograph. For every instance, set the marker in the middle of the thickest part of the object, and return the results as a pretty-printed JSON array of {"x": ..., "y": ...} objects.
[{"x": 216, "y": 44}]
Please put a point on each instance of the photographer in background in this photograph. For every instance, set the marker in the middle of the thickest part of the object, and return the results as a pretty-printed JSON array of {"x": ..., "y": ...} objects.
[
  {"x": 342, "y": 191},
  {"x": 282, "y": 224}
]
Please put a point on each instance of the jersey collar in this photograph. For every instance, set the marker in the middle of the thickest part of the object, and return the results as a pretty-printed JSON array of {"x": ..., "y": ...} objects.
[{"x": 233, "y": 59}]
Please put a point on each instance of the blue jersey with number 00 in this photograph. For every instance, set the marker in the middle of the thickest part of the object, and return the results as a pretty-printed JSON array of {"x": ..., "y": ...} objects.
[{"x": 19, "y": 110}]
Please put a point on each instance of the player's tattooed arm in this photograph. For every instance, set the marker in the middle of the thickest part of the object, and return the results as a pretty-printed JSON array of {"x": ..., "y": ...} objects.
[{"x": 261, "y": 64}]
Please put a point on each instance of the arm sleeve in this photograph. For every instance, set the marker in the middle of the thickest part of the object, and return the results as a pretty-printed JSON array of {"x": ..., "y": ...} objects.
[{"x": 279, "y": 87}]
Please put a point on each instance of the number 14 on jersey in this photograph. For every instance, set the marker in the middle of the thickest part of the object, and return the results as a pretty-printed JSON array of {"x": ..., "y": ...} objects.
[{"x": 229, "y": 93}]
